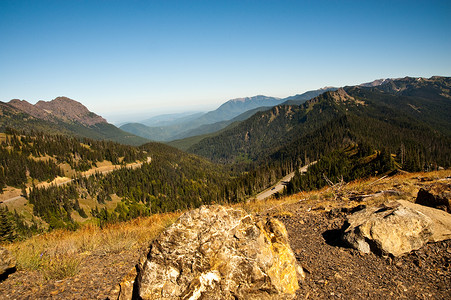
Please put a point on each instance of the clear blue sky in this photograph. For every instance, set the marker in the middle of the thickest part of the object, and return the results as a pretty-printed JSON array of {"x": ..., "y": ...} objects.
[{"x": 118, "y": 57}]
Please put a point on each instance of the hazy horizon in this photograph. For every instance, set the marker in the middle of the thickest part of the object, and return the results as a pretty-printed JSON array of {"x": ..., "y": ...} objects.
[{"x": 120, "y": 57}]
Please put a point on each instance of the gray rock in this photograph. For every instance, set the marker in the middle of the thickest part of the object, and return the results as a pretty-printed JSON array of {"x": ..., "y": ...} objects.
[
  {"x": 7, "y": 263},
  {"x": 441, "y": 221},
  {"x": 437, "y": 196},
  {"x": 220, "y": 253},
  {"x": 397, "y": 228}
]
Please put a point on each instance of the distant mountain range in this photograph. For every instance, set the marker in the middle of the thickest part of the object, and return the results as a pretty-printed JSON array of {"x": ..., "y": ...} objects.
[
  {"x": 255, "y": 128},
  {"x": 407, "y": 113},
  {"x": 62, "y": 116},
  {"x": 171, "y": 119},
  {"x": 183, "y": 126}
]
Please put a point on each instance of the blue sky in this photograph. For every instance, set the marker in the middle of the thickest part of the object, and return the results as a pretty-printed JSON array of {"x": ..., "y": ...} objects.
[{"x": 125, "y": 57}]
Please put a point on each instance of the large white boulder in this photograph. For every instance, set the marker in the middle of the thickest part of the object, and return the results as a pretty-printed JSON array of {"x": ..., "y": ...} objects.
[{"x": 219, "y": 253}]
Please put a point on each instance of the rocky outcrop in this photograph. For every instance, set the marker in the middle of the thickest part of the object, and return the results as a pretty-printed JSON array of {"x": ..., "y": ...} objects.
[
  {"x": 7, "y": 263},
  {"x": 441, "y": 221},
  {"x": 397, "y": 228},
  {"x": 30, "y": 109},
  {"x": 220, "y": 253},
  {"x": 70, "y": 110},
  {"x": 436, "y": 196},
  {"x": 61, "y": 108}
]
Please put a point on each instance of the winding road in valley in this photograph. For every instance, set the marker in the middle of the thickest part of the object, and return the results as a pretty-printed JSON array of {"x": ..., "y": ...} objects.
[{"x": 278, "y": 187}]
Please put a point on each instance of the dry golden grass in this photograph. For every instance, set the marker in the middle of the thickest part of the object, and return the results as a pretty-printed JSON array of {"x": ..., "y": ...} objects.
[
  {"x": 58, "y": 254},
  {"x": 407, "y": 184}
]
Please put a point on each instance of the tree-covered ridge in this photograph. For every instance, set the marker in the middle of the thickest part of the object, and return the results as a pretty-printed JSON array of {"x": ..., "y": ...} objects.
[
  {"x": 166, "y": 180},
  {"x": 265, "y": 132},
  {"x": 352, "y": 132},
  {"x": 416, "y": 116},
  {"x": 172, "y": 180},
  {"x": 39, "y": 156},
  {"x": 353, "y": 162}
]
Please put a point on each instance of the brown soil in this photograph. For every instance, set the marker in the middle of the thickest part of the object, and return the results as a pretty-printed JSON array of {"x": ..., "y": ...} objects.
[
  {"x": 334, "y": 271},
  {"x": 313, "y": 224},
  {"x": 97, "y": 279}
]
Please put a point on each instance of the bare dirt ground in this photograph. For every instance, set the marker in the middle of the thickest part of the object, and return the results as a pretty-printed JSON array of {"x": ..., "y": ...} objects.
[
  {"x": 338, "y": 272},
  {"x": 313, "y": 222}
]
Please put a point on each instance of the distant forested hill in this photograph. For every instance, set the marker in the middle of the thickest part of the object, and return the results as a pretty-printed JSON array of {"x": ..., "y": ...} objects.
[
  {"x": 351, "y": 132},
  {"x": 228, "y": 113}
]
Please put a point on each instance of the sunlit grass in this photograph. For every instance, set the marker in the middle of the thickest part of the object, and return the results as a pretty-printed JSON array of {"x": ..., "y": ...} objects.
[{"x": 59, "y": 254}]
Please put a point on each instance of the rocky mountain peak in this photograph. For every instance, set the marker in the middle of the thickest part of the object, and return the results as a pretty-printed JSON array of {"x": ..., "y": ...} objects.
[
  {"x": 60, "y": 108},
  {"x": 29, "y": 108},
  {"x": 376, "y": 82},
  {"x": 340, "y": 95}
]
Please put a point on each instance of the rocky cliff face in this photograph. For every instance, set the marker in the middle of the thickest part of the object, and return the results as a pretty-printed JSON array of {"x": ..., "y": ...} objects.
[
  {"x": 220, "y": 253},
  {"x": 62, "y": 108}
]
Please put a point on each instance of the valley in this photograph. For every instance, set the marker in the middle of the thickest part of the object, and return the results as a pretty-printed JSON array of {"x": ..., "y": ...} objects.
[
  {"x": 281, "y": 184},
  {"x": 81, "y": 198},
  {"x": 255, "y": 156}
]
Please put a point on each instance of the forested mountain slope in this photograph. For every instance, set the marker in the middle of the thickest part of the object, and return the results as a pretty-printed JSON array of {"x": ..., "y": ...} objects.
[
  {"x": 161, "y": 179},
  {"x": 231, "y": 111},
  {"x": 201, "y": 124},
  {"x": 351, "y": 132},
  {"x": 410, "y": 114}
]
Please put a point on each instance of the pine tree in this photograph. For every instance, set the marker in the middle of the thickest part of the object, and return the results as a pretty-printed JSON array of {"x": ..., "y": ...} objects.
[{"x": 7, "y": 230}]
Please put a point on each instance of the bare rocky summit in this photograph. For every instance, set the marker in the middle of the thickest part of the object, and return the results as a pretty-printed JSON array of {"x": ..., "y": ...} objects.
[
  {"x": 219, "y": 253},
  {"x": 61, "y": 108}
]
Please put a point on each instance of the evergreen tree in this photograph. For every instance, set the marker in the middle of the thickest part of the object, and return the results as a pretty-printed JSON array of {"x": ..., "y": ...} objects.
[{"x": 7, "y": 228}]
